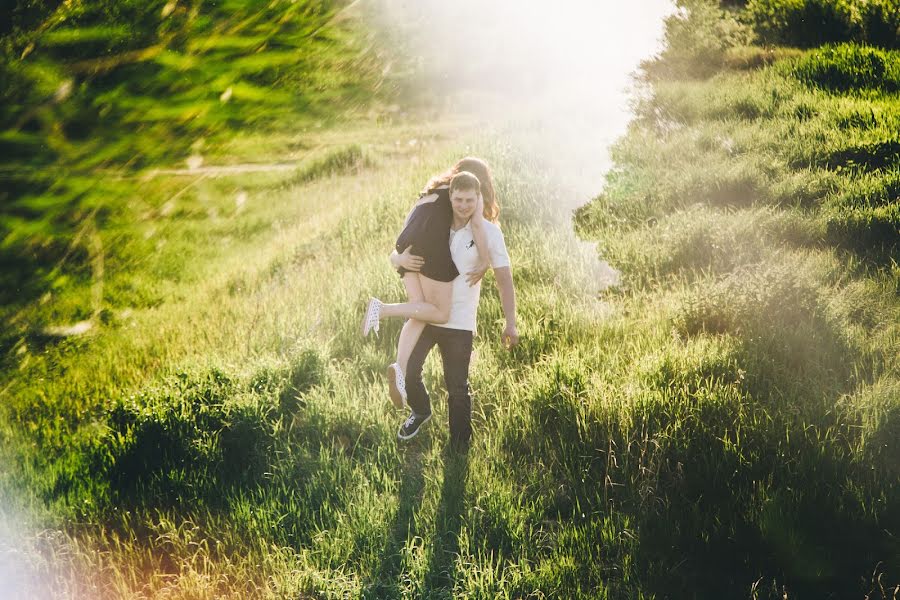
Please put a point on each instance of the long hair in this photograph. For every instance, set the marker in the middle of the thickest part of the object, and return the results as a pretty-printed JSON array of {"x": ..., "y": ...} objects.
[{"x": 479, "y": 169}]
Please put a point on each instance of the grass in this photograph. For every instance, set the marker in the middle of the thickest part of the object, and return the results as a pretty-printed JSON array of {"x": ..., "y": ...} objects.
[
  {"x": 114, "y": 87},
  {"x": 244, "y": 447},
  {"x": 222, "y": 431}
]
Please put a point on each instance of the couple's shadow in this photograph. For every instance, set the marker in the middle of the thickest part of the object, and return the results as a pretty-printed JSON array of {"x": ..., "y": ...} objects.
[{"x": 385, "y": 580}]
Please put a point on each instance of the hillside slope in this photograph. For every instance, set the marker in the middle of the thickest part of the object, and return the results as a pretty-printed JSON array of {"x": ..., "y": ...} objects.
[{"x": 724, "y": 423}]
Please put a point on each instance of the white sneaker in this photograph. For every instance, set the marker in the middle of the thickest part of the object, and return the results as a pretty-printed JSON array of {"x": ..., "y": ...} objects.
[
  {"x": 373, "y": 314},
  {"x": 397, "y": 385}
]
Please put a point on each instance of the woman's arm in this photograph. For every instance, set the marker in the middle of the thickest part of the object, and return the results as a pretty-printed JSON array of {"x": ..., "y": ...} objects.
[
  {"x": 510, "y": 336},
  {"x": 481, "y": 244}
]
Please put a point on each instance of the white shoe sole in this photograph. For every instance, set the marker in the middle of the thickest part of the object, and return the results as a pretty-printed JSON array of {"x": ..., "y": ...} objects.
[
  {"x": 370, "y": 308},
  {"x": 396, "y": 397},
  {"x": 411, "y": 436}
]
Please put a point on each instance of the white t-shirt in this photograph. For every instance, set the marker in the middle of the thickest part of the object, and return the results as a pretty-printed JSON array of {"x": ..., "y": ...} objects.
[{"x": 465, "y": 255}]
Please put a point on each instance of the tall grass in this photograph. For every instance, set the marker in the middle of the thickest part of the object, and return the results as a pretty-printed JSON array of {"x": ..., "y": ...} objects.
[
  {"x": 238, "y": 442},
  {"x": 758, "y": 202}
]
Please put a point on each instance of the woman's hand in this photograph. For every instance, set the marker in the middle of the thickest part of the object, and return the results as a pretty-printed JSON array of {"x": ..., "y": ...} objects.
[
  {"x": 407, "y": 260},
  {"x": 478, "y": 215},
  {"x": 480, "y": 237},
  {"x": 475, "y": 275}
]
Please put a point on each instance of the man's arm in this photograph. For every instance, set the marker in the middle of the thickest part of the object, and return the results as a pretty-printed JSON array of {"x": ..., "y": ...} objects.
[
  {"x": 504, "y": 278},
  {"x": 407, "y": 260}
]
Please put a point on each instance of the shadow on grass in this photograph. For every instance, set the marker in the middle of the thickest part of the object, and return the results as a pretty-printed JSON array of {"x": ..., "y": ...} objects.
[
  {"x": 441, "y": 571},
  {"x": 385, "y": 579},
  {"x": 440, "y": 575}
]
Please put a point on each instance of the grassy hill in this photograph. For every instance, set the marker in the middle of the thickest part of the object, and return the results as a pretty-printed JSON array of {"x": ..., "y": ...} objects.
[
  {"x": 724, "y": 423},
  {"x": 94, "y": 93}
]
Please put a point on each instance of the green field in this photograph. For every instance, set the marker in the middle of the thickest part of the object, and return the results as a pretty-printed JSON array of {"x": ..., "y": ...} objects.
[{"x": 187, "y": 409}]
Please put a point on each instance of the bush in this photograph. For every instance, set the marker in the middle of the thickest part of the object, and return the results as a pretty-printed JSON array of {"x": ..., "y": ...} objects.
[
  {"x": 846, "y": 67},
  {"x": 809, "y": 23},
  {"x": 186, "y": 438},
  {"x": 804, "y": 23},
  {"x": 697, "y": 39}
]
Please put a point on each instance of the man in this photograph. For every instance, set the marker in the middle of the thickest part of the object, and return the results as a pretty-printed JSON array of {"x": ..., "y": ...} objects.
[{"x": 454, "y": 338}]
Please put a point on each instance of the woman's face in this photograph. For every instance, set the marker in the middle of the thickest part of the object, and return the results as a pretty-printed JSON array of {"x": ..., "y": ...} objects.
[{"x": 463, "y": 203}]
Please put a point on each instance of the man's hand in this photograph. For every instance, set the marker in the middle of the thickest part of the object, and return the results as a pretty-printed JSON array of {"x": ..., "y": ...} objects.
[
  {"x": 510, "y": 336},
  {"x": 407, "y": 260},
  {"x": 475, "y": 275}
]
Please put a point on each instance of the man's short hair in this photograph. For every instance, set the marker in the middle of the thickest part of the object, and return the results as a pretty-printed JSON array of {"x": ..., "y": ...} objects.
[{"x": 464, "y": 181}]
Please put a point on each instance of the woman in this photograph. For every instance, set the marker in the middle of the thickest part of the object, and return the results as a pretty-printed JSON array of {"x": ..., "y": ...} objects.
[{"x": 422, "y": 257}]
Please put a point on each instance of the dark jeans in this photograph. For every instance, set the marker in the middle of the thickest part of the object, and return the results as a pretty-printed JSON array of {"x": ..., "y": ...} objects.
[{"x": 456, "y": 350}]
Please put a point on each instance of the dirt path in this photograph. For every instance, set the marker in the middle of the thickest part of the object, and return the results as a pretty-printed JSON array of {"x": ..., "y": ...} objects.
[{"x": 213, "y": 171}]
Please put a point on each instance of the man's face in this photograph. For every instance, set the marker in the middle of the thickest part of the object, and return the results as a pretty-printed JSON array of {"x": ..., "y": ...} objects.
[{"x": 463, "y": 203}]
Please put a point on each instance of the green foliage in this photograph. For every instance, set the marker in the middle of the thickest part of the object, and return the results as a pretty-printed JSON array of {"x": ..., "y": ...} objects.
[
  {"x": 809, "y": 23},
  {"x": 339, "y": 161},
  {"x": 289, "y": 384},
  {"x": 779, "y": 315},
  {"x": 167, "y": 443},
  {"x": 757, "y": 210},
  {"x": 222, "y": 430},
  {"x": 698, "y": 38},
  {"x": 867, "y": 230},
  {"x": 847, "y": 67},
  {"x": 698, "y": 241},
  {"x": 678, "y": 435},
  {"x": 89, "y": 89},
  {"x": 200, "y": 434}
]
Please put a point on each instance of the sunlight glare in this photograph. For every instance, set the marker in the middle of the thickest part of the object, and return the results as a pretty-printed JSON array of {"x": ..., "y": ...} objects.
[{"x": 558, "y": 73}]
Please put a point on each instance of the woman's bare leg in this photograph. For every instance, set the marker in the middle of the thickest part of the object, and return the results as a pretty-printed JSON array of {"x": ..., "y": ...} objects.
[
  {"x": 412, "y": 329},
  {"x": 433, "y": 308},
  {"x": 421, "y": 292},
  {"x": 409, "y": 335}
]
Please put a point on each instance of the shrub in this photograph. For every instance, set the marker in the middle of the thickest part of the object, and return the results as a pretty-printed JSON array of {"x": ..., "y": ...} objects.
[
  {"x": 185, "y": 438},
  {"x": 804, "y": 23},
  {"x": 697, "y": 38},
  {"x": 847, "y": 67},
  {"x": 809, "y": 23}
]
